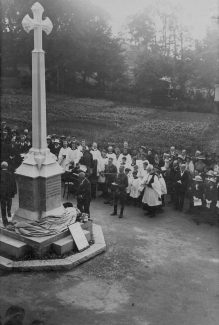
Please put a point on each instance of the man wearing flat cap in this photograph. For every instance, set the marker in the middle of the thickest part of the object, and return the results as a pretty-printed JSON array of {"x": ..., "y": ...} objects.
[{"x": 7, "y": 192}]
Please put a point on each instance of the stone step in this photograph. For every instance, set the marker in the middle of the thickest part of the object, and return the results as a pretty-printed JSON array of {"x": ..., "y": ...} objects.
[
  {"x": 12, "y": 247},
  {"x": 5, "y": 264},
  {"x": 65, "y": 245}
]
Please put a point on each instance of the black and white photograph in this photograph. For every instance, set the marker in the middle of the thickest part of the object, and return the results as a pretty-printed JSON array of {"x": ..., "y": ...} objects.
[{"x": 109, "y": 187}]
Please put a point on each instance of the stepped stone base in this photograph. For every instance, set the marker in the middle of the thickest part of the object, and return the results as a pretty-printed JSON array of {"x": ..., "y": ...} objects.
[
  {"x": 16, "y": 246},
  {"x": 12, "y": 247},
  {"x": 67, "y": 263},
  {"x": 39, "y": 245},
  {"x": 65, "y": 245}
]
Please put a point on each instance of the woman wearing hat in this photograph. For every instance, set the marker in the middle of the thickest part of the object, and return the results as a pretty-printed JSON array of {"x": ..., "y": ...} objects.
[
  {"x": 56, "y": 148},
  {"x": 196, "y": 196},
  {"x": 200, "y": 164},
  {"x": 210, "y": 195}
]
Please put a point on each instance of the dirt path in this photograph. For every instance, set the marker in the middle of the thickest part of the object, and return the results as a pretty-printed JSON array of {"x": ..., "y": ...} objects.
[{"x": 161, "y": 271}]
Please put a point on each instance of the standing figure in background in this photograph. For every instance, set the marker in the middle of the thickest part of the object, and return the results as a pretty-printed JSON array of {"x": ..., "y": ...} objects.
[
  {"x": 196, "y": 195},
  {"x": 101, "y": 166},
  {"x": 83, "y": 194},
  {"x": 63, "y": 153},
  {"x": 152, "y": 192},
  {"x": 56, "y": 148},
  {"x": 210, "y": 195},
  {"x": 119, "y": 193},
  {"x": 181, "y": 185},
  {"x": 110, "y": 173},
  {"x": 8, "y": 191}
]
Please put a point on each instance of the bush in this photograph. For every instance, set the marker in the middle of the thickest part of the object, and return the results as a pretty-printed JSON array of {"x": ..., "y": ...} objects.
[{"x": 204, "y": 107}]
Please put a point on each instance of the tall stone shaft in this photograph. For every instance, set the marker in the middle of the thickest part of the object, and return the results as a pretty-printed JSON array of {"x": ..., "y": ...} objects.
[{"x": 39, "y": 176}]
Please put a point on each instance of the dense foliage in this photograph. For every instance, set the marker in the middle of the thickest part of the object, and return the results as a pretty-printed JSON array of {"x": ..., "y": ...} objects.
[
  {"x": 155, "y": 59},
  {"x": 81, "y": 47},
  {"x": 106, "y": 121}
]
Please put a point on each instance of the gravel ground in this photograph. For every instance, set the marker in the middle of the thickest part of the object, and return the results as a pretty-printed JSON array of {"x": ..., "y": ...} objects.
[{"x": 161, "y": 271}]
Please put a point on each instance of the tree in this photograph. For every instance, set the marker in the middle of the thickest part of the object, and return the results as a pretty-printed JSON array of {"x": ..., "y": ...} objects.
[
  {"x": 141, "y": 30},
  {"x": 80, "y": 46}
]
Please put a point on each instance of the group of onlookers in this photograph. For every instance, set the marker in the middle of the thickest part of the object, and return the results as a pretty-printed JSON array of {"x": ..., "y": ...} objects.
[{"x": 138, "y": 176}]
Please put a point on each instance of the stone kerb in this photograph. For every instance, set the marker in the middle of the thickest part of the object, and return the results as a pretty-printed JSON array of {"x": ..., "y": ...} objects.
[{"x": 67, "y": 263}]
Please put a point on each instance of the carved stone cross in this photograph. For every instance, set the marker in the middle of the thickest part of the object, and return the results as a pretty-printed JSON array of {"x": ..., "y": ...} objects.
[
  {"x": 39, "y": 175},
  {"x": 38, "y": 74},
  {"x": 37, "y": 24}
]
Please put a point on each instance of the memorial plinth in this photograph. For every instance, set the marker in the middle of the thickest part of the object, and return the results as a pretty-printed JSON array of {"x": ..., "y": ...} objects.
[
  {"x": 39, "y": 176},
  {"x": 39, "y": 187}
]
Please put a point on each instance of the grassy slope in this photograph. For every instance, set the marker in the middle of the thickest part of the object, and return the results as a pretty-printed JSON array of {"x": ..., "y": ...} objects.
[{"x": 106, "y": 121}]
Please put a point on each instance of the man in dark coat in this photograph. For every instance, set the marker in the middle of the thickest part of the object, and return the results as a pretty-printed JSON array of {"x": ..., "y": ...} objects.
[
  {"x": 14, "y": 159},
  {"x": 210, "y": 195},
  {"x": 196, "y": 195},
  {"x": 83, "y": 194},
  {"x": 87, "y": 160},
  {"x": 55, "y": 148},
  {"x": 110, "y": 173},
  {"x": 23, "y": 146},
  {"x": 8, "y": 191},
  {"x": 119, "y": 194},
  {"x": 181, "y": 185},
  {"x": 170, "y": 177},
  {"x": 5, "y": 144}
]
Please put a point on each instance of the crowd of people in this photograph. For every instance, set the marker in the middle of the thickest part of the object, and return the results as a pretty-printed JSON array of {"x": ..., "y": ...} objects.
[{"x": 139, "y": 176}]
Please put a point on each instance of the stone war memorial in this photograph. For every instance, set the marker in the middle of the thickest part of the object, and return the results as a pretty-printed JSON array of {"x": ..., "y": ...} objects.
[{"x": 40, "y": 224}]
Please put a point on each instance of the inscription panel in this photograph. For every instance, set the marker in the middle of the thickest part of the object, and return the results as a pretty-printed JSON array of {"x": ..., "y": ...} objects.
[
  {"x": 53, "y": 186},
  {"x": 28, "y": 189},
  {"x": 50, "y": 192}
]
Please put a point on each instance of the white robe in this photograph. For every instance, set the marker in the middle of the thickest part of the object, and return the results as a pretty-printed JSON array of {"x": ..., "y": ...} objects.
[
  {"x": 101, "y": 164},
  {"x": 128, "y": 159},
  {"x": 135, "y": 188},
  {"x": 63, "y": 161},
  {"x": 142, "y": 174},
  {"x": 112, "y": 155},
  {"x": 80, "y": 148},
  {"x": 190, "y": 167},
  {"x": 96, "y": 154},
  {"x": 73, "y": 156},
  {"x": 163, "y": 185},
  {"x": 151, "y": 195},
  {"x": 139, "y": 163},
  {"x": 130, "y": 179}
]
